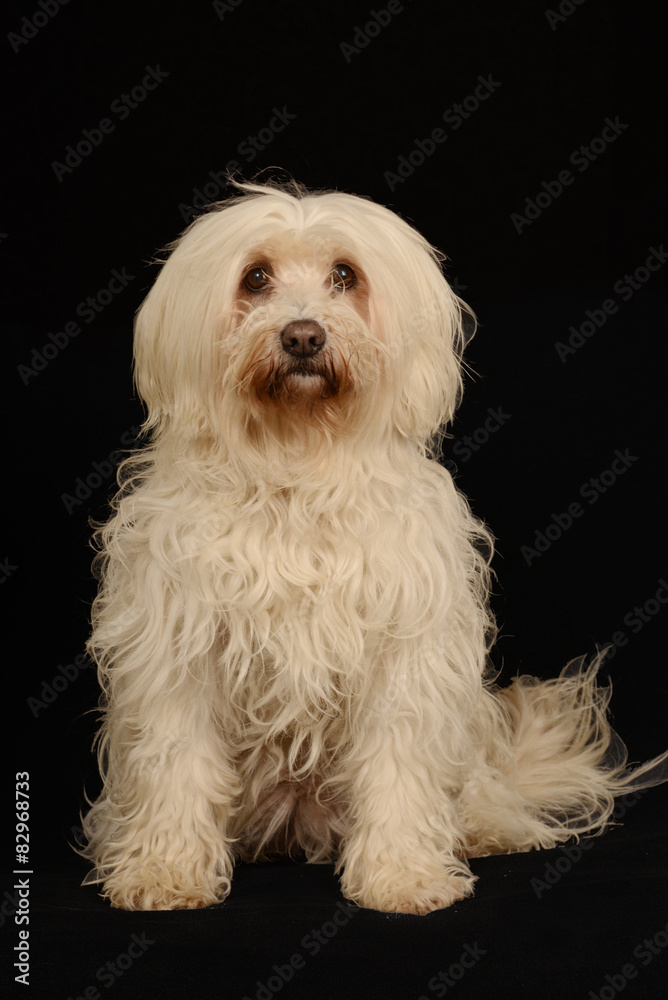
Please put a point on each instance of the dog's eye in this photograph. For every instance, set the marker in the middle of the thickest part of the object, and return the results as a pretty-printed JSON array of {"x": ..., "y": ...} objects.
[
  {"x": 256, "y": 278},
  {"x": 343, "y": 276}
]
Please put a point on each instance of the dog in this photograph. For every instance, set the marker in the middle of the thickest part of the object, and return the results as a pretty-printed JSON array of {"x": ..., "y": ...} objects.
[{"x": 292, "y": 629}]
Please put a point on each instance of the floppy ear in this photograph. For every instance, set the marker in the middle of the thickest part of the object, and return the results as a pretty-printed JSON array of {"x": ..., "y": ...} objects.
[
  {"x": 423, "y": 322},
  {"x": 172, "y": 351},
  {"x": 150, "y": 376},
  {"x": 179, "y": 328}
]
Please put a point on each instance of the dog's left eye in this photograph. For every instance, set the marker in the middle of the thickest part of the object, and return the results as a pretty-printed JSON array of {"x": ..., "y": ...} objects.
[
  {"x": 256, "y": 279},
  {"x": 343, "y": 276}
]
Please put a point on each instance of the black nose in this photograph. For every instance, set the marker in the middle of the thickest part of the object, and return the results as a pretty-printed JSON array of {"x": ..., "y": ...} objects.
[{"x": 302, "y": 338}]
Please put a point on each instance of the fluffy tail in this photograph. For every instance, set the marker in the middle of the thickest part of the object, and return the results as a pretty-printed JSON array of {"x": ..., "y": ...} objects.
[{"x": 558, "y": 765}]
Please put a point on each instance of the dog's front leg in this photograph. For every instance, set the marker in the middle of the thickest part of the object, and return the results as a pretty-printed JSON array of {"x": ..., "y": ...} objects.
[
  {"x": 157, "y": 834},
  {"x": 400, "y": 852}
]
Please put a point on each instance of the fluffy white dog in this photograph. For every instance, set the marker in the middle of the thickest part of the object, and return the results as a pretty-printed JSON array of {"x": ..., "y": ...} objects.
[{"x": 292, "y": 625}]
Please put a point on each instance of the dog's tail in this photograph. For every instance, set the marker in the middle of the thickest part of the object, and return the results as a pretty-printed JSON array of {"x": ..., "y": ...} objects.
[{"x": 557, "y": 765}]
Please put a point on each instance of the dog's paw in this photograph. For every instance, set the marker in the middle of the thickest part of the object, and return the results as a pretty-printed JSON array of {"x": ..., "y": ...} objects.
[
  {"x": 159, "y": 886},
  {"x": 421, "y": 899},
  {"x": 399, "y": 893},
  {"x": 425, "y": 899}
]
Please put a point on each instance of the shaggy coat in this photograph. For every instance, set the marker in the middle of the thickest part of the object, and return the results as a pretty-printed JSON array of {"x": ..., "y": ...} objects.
[{"x": 292, "y": 626}]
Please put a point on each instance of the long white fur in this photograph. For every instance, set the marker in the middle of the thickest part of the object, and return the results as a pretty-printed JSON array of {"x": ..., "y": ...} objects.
[{"x": 292, "y": 625}]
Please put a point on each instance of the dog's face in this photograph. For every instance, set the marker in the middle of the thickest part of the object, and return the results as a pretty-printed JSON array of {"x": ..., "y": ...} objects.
[
  {"x": 302, "y": 341},
  {"x": 322, "y": 310}
]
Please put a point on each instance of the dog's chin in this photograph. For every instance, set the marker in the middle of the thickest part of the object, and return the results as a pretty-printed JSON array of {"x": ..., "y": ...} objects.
[
  {"x": 302, "y": 384},
  {"x": 307, "y": 385}
]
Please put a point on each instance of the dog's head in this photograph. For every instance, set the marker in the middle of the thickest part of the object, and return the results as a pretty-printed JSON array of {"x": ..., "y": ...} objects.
[{"x": 300, "y": 309}]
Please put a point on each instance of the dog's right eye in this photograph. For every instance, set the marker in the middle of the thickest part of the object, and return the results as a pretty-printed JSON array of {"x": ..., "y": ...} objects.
[{"x": 256, "y": 279}]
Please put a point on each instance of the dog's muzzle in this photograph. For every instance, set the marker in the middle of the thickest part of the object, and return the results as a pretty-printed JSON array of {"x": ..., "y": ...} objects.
[{"x": 306, "y": 370}]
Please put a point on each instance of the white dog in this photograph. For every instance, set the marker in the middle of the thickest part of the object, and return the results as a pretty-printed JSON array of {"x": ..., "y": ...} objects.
[{"x": 292, "y": 625}]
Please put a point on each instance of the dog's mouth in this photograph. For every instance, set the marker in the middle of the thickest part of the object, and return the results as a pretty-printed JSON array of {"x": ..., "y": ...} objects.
[
  {"x": 307, "y": 378},
  {"x": 306, "y": 369}
]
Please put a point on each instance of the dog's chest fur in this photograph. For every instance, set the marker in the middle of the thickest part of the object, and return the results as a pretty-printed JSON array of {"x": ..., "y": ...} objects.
[{"x": 306, "y": 589}]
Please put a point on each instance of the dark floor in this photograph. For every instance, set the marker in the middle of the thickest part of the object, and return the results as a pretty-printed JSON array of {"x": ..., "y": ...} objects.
[{"x": 554, "y": 925}]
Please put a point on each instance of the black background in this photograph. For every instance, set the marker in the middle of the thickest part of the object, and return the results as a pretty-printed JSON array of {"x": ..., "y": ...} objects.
[{"x": 360, "y": 99}]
